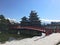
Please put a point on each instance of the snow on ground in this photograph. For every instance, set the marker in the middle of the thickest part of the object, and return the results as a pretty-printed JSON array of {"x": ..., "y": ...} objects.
[{"x": 52, "y": 39}]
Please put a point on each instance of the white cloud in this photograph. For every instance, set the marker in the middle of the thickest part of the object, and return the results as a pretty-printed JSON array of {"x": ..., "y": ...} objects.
[
  {"x": 12, "y": 20},
  {"x": 47, "y": 20},
  {"x": 42, "y": 20}
]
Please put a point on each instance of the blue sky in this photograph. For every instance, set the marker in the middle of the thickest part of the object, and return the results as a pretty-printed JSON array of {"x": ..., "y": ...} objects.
[{"x": 16, "y": 9}]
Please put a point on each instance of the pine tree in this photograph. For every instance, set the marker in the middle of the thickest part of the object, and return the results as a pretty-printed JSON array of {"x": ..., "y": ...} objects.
[
  {"x": 34, "y": 20},
  {"x": 24, "y": 21},
  {"x": 4, "y": 23}
]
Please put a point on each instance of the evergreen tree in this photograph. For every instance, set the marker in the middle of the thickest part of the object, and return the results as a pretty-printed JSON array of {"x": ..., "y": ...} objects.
[
  {"x": 24, "y": 21},
  {"x": 4, "y": 23},
  {"x": 34, "y": 20},
  {"x": 2, "y": 17}
]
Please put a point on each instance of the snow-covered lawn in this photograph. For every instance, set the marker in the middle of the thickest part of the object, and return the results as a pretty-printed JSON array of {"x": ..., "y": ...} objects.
[{"x": 52, "y": 39}]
